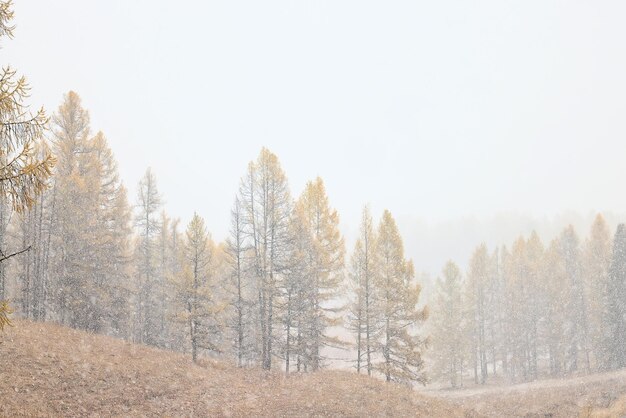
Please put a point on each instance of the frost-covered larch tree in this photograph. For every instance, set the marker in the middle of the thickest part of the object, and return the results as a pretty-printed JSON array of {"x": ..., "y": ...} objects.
[
  {"x": 112, "y": 255},
  {"x": 241, "y": 319},
  {"x": 596, "y": 262},
  {"x": 198, "y": 308},
  {"x": 534, "y": 302},
  {"x": 399, "y": 346},
  {"x": 148, "y": 227},
  {"x": 577, "y": 328},
  {"x": 554, "y": 286},
  {"x": 71, "y": 132},
  {"x": 363, "y": 311},
  {"x": 616, "y": 309},
  {"x": 25, "y": 163},
  {"x": 524, "y": 270},
  {"x": 168, "y": 244},
  {"x": 448, "y": 325},
  {"x": 477, "y": 280},
  {"x": 497, "y": 311},
  {"x": 267, "y": 205},
  {"x": 24, "y": 171},
  {"x": 326, "y": 260},
  {"x": 296, "y": 307},
  {"x": 79, "y": 266}
]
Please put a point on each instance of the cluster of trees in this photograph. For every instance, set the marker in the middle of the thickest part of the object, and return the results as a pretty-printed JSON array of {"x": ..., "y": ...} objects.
[
  {"x": 268, "y": 296},
  {"x": 533, "y": 310},
  {"x": 77, "y": 232},
  {"x": 25, "y": 163},
  {"x": 270, "y": 293},
  {"x": 383, "y": 311}
]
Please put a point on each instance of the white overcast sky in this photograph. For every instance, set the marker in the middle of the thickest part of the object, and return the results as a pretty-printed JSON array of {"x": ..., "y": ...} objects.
[{"x": 438, "y": 110}]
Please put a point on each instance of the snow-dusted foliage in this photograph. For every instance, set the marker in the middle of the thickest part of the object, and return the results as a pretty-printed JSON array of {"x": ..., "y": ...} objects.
[{"x": 533, "y": 312}]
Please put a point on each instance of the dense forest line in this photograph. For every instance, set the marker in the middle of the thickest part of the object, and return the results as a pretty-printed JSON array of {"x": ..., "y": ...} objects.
[
  {"x": 530, "y": 311},
  {"x": 267, "y": 295}
]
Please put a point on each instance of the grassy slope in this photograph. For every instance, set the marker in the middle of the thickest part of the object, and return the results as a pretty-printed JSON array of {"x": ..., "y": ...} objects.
[{"x": 47, "y": 370}]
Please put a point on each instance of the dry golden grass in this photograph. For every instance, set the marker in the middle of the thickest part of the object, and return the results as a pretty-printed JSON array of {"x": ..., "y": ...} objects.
[
  {"x": 617, "y": 409},
  {"x": 596, "y": 395},
  {"x": 48, "y": 370}
]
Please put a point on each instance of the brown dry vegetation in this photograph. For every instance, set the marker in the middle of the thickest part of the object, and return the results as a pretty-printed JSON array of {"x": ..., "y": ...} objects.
[
  {"x": 48, "y": 370},
  {"x": 616, "y": 409},
  {"x": 597, "y": 395}
]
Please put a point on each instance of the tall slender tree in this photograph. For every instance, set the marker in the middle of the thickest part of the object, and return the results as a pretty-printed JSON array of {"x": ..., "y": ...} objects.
[
  {"x": 555, "y": 287},
  {"x": 535, "y": 308},
  {"x": 478, "y": 277},
  {"x": 25, "y": 162},
  {"x": 577, "y": 326},
  {"x": 364, "y": 313},
  {"x": 400, "y": 344},
  {"x": 74, "y": 208},
  {"x": 112, "y": 254},
  {"x": 266, "y": 203},
  {"x": 326, "y": 259},
  {"x": 195, "y": 290},
  {"x": 298, "y": 291},
  {"x": 447, "y": 326},
  {"x": 148, "y": 227},
  {"x": 596, "y": 262},
  {"x": 616, "y": 318},
  {"x": 241, "y": 293}
]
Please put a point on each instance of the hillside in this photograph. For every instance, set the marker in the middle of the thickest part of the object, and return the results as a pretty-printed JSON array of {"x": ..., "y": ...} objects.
[
  {"x": 49, "y": 370},
  {"x": 52, "y": 370}
]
